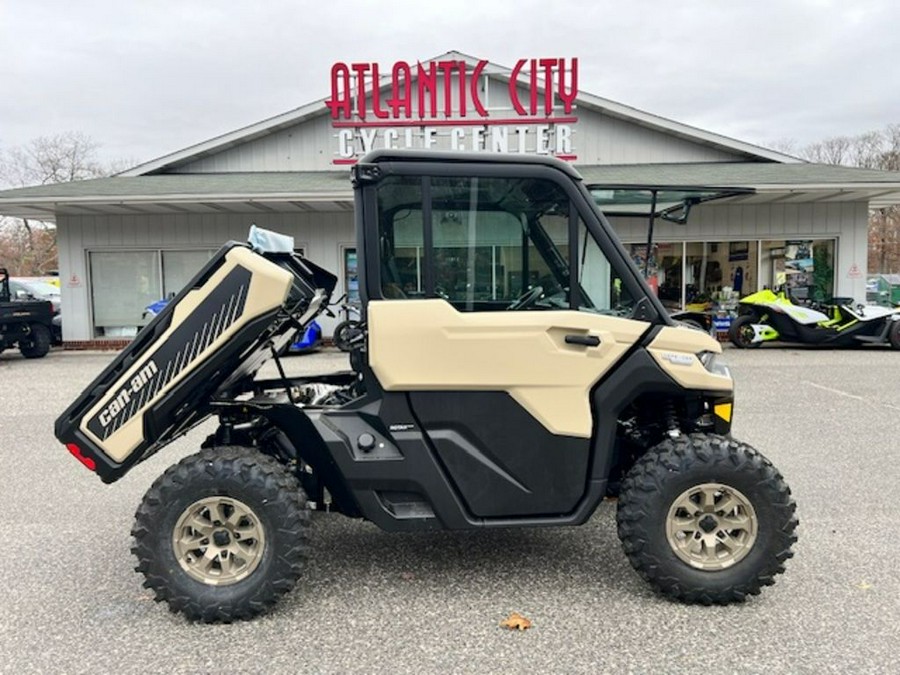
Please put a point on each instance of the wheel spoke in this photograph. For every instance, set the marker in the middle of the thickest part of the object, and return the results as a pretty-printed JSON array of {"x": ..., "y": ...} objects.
[
  {"x": 728, "y": 504},
  {"x": 685, "y": 503},
  {"x": 708, "y": 498},
  {"x": 199, "y": 524},
  {"x": 738, "y": 522}
]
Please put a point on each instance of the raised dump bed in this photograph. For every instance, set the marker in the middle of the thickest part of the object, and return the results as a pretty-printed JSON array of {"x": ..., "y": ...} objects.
[{"x": 237, "y": 312}]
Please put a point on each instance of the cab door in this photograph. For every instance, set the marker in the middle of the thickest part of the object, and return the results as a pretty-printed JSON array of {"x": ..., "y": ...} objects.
[{"x": 495, "y": 308}]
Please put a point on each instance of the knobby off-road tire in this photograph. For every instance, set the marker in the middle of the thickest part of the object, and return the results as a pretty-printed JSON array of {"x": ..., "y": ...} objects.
[
  {"x": 222, "y": 534},
  {"x": 706, "y": 519},
  {"x": 741, "y": 333},
  {"x": 37, "y": 344}
]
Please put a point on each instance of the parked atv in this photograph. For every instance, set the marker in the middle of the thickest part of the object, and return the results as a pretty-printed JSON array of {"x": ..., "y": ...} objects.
[
  {"x": 767, "y": 316},
  {"x": 26, "y": 323},
  {"x": 483, "y": 397}
]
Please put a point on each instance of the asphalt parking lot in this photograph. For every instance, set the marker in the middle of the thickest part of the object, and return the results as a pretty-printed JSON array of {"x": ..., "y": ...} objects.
[{"x": 375, "y": 602}]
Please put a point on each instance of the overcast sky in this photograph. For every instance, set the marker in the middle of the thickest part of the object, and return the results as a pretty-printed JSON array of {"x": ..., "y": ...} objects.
[{"x": 147, "y": 78}]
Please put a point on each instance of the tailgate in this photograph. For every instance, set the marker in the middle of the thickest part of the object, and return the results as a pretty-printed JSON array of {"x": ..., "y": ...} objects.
[{"x": 213, "y": 336}]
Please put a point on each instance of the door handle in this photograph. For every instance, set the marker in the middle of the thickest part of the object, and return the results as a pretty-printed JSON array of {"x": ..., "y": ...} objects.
[{"x": 586, "y": 340}]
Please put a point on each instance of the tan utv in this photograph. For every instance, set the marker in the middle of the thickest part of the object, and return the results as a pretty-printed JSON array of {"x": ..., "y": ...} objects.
[{"x": 515, "y": 370}]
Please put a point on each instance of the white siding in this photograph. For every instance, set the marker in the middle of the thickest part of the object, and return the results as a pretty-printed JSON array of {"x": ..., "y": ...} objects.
[
  {"x": 320, "y": 234},
  {"x": 323, "y": 234},
  {"x": 597, "y": 138}
]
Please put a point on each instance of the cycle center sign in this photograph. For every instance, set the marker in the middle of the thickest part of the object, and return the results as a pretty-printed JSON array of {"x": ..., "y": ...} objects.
[{"x": 454, "y": 105}]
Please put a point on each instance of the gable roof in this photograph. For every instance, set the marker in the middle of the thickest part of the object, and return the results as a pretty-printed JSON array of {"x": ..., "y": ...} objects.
[{"x": 584, "y": 99}]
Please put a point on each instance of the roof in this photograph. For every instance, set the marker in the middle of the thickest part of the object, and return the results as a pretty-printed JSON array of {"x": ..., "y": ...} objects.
[
  {"x": 331, "y": 190},
  {"x": 584, "y": 99}
]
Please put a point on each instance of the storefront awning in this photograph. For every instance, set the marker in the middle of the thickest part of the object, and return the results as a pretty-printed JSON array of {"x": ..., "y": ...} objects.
[{"x": 749, "y": 183}]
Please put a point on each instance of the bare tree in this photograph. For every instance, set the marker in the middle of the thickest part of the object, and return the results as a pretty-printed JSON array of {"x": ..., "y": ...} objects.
[{"x": 28, "y": 247}]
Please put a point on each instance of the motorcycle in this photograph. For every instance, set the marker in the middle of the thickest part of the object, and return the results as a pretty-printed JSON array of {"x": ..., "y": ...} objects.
[
  {"x": 766, "y": 316},
  {"x": 307, "y": 341},
  {"x": 350, "y": 331}
]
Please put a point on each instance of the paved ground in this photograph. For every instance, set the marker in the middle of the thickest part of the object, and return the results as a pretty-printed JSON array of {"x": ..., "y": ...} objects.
[{"x": 375, "y": 602}]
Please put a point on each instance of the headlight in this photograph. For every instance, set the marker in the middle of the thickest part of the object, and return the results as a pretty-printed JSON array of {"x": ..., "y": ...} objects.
[{"x": 714, "y": 363}]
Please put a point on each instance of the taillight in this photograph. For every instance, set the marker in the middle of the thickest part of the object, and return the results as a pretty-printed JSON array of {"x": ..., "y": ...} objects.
[{"x": 87, "y": 461}]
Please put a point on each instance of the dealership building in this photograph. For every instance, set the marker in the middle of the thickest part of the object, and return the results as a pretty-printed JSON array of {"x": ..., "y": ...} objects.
[{"x": 729, "y": 217}]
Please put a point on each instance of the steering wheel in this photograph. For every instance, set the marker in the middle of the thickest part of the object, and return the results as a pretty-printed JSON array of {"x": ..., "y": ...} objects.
[{"x": 527, "y": 299}]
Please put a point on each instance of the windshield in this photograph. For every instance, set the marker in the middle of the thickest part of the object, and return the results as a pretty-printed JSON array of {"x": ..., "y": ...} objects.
[{"x": 39, "y": 288}]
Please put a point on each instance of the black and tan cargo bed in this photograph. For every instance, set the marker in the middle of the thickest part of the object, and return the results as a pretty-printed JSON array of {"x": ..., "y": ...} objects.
[{"x": 234, "y": 314}]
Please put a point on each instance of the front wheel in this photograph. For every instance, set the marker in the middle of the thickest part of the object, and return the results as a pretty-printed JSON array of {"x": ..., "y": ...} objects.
[
  {"x": 221, "y": 535},
  {"x": 706, "y": 519},
  {"x": 741, "y": 332},
  {"x": 37, "y": 344}
]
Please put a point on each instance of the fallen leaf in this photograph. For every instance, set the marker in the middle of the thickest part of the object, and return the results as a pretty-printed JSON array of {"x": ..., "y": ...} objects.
[
  {"x": 515, "y": 621},
  {"x": 864, "y": 586}
]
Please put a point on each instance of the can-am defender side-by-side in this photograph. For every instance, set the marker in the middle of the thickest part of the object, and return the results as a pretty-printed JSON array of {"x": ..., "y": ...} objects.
[{"x": 516, "y": 370}]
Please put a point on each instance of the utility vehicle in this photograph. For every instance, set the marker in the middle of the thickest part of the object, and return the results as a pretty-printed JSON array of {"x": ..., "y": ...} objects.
[
  {"x": 26, "y": 323},
  {"x": 515, "y": 372}
]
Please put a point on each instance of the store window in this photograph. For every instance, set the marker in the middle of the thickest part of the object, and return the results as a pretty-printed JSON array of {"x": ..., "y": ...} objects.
[
  {"x": 351, "y": 275},
  {"x": 125, "y": 283},
  {"x": 803, "y": 267},
  {"x": 179, "y": 267}
]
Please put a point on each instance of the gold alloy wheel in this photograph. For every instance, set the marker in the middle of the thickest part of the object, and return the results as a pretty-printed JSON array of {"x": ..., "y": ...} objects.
[
  {"x": 218, "y": 541},
  {"x": 711, "y": 526}
]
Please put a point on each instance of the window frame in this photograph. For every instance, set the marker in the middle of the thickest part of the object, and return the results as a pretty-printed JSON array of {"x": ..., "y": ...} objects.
[{"x": 581, "y": 210}]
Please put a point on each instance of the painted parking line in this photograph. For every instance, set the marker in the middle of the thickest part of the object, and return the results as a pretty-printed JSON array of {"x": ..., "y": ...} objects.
[{"x": 847, "y": 394}]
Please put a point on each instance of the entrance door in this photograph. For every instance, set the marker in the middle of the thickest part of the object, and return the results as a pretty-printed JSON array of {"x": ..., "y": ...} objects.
[{"x": 496, "y": 309}]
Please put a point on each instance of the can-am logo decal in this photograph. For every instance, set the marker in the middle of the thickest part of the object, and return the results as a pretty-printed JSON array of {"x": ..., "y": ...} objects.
[
  {"x": 126, "y": 393},
  {"x": 188, "y": 342}
]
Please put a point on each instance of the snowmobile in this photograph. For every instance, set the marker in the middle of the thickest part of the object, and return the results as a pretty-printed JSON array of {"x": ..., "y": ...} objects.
[{"x": 767, "y": 316}]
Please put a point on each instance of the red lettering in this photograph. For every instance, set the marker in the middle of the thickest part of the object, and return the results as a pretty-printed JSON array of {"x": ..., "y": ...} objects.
[
  {"x": 548, "y": 65},
  {"x": 399, "y": 101},
  {"x": 447, "y": 68},
  {"x": 427, "y": 83},
  {"x": 376, "y": 94},
  {"x": 340, "y": 92},
  {"x": 361, "y": 69},
  {"x": 533, "y": 98},
  {"x": 461, "y": 70},
  {"x": 568, "y": 97},
  {"x": 513, "y": 87},
  {"x": 473, "y": 89}
]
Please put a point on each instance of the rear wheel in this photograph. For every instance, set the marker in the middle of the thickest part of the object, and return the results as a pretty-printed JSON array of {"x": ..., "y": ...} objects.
[
  {"x": 706, "y": 519},
  {"x": 37, "y": 344},
  {"x": 222, "y": 535},
  {"x": 741, "y": 332},
  {"x": 894, "y": 334},
  {"x": 345, "y": 334}
]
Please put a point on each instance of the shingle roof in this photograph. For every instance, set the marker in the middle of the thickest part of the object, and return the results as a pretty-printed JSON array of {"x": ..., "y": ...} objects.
[
  {"x": 879, "y": 188},
  {"x": 735, "y": 174},
  {"x": 199, "y": 184}
]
